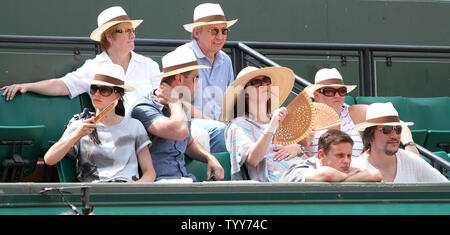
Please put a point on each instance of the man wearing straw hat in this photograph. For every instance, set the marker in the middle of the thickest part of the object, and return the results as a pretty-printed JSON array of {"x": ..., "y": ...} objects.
[
  {"x": 381, "y": 134},
  {"x": 168, "y": 121},
  {"x": 332, "y": 164},
  {"x": 116, "y": 33},
  {"x": 209, "y": 31}
]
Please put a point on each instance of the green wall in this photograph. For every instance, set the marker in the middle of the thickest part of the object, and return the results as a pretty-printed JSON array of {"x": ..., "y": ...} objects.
[{"x": 321, "y": 21}]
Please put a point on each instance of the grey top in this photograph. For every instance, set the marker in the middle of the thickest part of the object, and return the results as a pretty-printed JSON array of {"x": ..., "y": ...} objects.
[{"x": 115, "y": 158}]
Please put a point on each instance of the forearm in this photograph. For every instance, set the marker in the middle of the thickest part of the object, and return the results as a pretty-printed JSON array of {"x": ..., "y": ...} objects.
[
  {"x": 367, "y": 175},
  {"x": 196, "y": 151},
  {"x": 51, "y": 87},
  {"x": 258, "y": 150},
  {"x": 60, "y": 149},
  {"x": 325, "y": 174}
]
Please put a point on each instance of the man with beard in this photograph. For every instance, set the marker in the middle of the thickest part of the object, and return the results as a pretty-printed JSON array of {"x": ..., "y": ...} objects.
[{"x": 381, "y": 136}]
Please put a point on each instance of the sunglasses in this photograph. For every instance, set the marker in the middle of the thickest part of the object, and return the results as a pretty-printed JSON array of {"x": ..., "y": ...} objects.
[
  {"x": 104, "y": 90},
  {"x": 330, "y": 92},
  {"x": 387, "y": 130},
  {"x": 127, "y": 31},
  {"x": 215, "y": 31},
  {"x": 257, "y": 82}
]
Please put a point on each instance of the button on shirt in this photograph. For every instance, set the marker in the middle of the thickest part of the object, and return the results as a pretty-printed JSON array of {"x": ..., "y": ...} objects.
[
  {"x": 213, "y": 82},
  {"x": 167, "y": 155},
  {"x": 140, "y": 75}
]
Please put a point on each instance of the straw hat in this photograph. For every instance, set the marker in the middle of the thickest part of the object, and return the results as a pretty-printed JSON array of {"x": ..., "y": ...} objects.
[
  {"x": 381, "y": 114},
  {"x": 326, "y": 117},
  {"x": 178, "y": 61},
  {"x": 109, "y": 75},
  {"x": 298, "y": 122},
  {"x": 326, "y": 78},
  {"x": 110, "y": 17},
  {"x": 208, "y": 13},
  {"x": 281, "y": 77}
]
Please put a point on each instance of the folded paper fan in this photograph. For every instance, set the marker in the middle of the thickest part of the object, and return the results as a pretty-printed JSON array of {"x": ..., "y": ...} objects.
[
  {"x": 106, "y": 110},
  {"x": 325, "y": 118},
  {"x": 298, "y": 122}
]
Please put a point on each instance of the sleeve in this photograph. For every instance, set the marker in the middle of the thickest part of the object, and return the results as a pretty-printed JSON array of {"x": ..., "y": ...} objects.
[
  {"x": 238, "y": 143},
  {"x": 146, "y": 114},
  {"x": 426, "y": 171},
  {"x": 296, "y": 173},
  {"x": 142, "y": 139},
  {"x": 156, "y": 82},
  {"x": 73, "y": 79},
  {"x": 73, "y": 125}
]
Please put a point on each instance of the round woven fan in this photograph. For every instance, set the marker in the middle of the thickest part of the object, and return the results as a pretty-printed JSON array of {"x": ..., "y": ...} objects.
[
  {"x": 326, "y": 117},
  {"x": 298, "y": 122}
]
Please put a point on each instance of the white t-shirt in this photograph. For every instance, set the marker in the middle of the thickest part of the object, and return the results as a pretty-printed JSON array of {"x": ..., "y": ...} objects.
[
  {"x": 411, "y": 168},
  {"x": 140, "y": 75}
]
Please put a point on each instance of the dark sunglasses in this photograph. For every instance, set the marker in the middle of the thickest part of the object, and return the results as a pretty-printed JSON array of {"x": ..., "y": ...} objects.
[
  {"x": 128, "y": 31},
  {"x": 330, "y": 92},
  {"x": 215, "y": 31},
  {"x": 387, "y": 130},
  {"x": 104, "y": 90},
  {"x": 257, "y": 82}
]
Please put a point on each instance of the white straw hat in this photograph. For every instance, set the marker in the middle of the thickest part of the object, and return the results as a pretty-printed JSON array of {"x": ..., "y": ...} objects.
[
  {"x": 178, "y": 61},
  {"x": 281, "y": 77},
  {"x": 381, "y": 114},
  {"x": 208, "y": 13},
  {"x": 109, "y": 75},
  {"x": 327, "y": 77},
  {"x": 110, "y": 17}
]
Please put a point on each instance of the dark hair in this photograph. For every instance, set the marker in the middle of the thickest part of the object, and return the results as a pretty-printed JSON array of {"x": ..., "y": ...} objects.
[
  {"x": 333, "y": 137},
  {"x": 120, "y": 108},
  {"x": 242, "y": 96},
  {"x": 368, "y": 136}
]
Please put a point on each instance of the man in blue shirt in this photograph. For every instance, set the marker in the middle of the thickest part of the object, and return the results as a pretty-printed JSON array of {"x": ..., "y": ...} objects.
[
  {"x": 167, "y": 123},
  {"x": 209, "y": 31}
]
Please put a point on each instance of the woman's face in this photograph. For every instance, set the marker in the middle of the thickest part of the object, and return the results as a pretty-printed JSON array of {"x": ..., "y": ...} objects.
[
  {"x": 258, "y": 89},
  {"x": 122, "y": 37},
  {"x": 102, "y": 96}
]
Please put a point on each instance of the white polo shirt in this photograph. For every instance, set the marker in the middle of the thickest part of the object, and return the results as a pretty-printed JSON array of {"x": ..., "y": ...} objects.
[{"x": 140, "y": 75}]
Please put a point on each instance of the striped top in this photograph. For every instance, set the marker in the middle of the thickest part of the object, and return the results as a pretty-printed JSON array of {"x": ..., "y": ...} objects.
[
  {"x": 240, "y": 135},
  {"x": 348, "y": 127}
]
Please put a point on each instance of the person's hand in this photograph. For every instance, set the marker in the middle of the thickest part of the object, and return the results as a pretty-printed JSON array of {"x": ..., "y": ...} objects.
[
  {"x": 287, "y": 152},
  {"x": 353, "y": 170},
  {"x": 214, "y": 166},
  {"x": 163, "y": 94},
  {"x": 11, "y": 90},
  {"x": 86, "y": 128},
  {"x": 278, "y": 116}
]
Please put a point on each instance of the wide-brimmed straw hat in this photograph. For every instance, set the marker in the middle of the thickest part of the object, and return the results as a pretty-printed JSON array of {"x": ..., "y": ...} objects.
[
  {"x": 298, "y": 122},
  {"x": 208, "y": 13},
  {"x": 110, "y": 17},
  {"x": 282, "y": 79},
  {"x": 326, "y": 78},
  {"x": 383, "y": 114},
  {"x": 178, "y": 61},
  {"x": 109, "y": 75}
]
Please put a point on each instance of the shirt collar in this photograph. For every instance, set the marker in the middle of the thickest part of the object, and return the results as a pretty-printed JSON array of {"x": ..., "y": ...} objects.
[
  {"x": 134, "y": 57},
  {"x": 199, "y": 53}
]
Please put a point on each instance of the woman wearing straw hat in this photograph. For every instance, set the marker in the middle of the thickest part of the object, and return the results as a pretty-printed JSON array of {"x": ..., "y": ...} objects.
[
  {"x": 251, "y": 99},
  {"x": 107, "y": 146},
  {"x": 329, "y": 89},
  {"x": 116, "y": 34}
]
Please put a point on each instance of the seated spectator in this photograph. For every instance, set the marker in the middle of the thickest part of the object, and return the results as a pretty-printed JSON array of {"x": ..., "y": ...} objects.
[
  {"x": 329, "y": 89},
  {"x": 332, "y": 164},
  {"x": 111, "y": 148},
  {"x": 168, "y": 123},
  {"x": 381, "y": 134},
  {"x": 253, "y": 100},
  {"x": 209, "y": 33},
  {"x": 116, "y": 34}
]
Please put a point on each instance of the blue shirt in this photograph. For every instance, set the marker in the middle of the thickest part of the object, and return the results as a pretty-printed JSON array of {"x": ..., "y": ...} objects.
[
  {"x": 167, "y": 155},
  {"x": 213, "y": 82}
]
